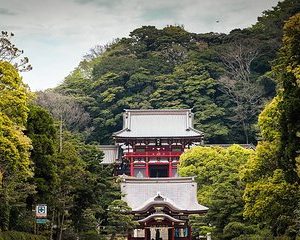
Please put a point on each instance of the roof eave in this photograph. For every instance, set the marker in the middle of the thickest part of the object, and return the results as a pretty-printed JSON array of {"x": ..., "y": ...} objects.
[{"x": 160, "y": 137}]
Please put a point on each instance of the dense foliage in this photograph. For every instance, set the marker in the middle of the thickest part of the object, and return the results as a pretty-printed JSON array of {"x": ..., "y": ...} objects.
[
  {"x": 49, "y": 149},
  {"x": 172, "y": 68},
  {"x": 12, "y": 235},
  {"x": 42, "y": 162},
  {"x": 15, "y": 164},
  {"x": 272, "y": 191},
  {"x": 261, "y": 201},
  {"x": 219, "y": 186}
]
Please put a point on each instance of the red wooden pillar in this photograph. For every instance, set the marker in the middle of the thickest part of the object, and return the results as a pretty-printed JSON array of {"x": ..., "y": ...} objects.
[
  {"x": 172, "y": 232},
  {"x": 147, "y": 167},
  {"x": 190, "y": 233},
  {"x": 131, "y": 167},
  {"x": 170, "y": 167}
]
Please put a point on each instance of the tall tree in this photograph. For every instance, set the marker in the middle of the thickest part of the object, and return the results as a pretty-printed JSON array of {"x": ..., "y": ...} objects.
[
  {"x": 269, "y": 198},
  {"x": 41, "y": 129},
  {"x": 272, "y": 190},
  {"x": 219, "y": 187},
  {"x": 15, "y": 165},
  {"x": 288, "y": 70},
  {"x": 120, "y": 221},
  {"x": 244, "y": 91}
]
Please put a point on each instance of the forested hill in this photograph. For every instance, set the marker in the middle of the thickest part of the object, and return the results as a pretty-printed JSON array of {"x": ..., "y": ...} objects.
[{"x": 224, "y": 78}]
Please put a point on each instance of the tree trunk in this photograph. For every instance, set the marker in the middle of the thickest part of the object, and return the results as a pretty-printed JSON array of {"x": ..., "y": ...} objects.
[
  {"x": 60, "y": 134},
  {"x": 51, "y": 229},
  {"x": 245, "y": 132},
  {"x": 61, "y": 225},
  {"x": 4, "y": 215},
  {"x": 4, "y": 207}
]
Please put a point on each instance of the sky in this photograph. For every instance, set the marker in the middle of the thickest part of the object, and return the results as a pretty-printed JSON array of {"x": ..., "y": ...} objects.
[{"x": 55, "y": 34}]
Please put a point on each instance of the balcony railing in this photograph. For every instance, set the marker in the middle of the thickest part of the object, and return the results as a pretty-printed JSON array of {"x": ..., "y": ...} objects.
[{"x": 153, "y": 154}]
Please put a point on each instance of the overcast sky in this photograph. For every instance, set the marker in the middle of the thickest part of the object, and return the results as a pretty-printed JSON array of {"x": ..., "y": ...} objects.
[{"x": 55, "y": 34}]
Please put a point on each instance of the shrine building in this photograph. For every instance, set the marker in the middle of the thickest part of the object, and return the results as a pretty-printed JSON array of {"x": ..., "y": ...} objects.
[{"x": 146, "y": 153}]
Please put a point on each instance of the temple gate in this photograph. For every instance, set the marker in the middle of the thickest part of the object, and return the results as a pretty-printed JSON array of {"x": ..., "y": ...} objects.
[{"x": 149, "y": 147}]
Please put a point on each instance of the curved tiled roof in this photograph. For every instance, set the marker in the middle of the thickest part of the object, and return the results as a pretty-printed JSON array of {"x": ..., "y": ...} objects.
[
  {"x": 147, "y": 123},
  {"x": 180, "y": 193}
]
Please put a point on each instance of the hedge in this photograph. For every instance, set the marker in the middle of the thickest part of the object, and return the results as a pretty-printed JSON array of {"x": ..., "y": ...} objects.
[{"x": 12, "y": 235}]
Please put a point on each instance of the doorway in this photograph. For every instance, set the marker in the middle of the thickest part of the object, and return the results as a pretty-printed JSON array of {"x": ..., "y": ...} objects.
[
  {"x": 157, "y": 171},
  {"x": 159, "y": 233}
]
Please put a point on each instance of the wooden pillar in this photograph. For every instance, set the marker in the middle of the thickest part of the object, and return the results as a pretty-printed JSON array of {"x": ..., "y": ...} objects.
[
  {"x": 147, "y": 233},
  {"x": 190, "y": 233},
  {"x": 173, "y": 232},
  {"x": 131, "y": 167},
  {"x": 170, "y": 167},
  {"x": 147, "y": 167}
]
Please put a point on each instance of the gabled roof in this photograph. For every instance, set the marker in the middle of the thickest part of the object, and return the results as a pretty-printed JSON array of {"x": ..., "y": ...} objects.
[
  {"x": 158, "y": 123},
  {"x": 178, "y": 193}
]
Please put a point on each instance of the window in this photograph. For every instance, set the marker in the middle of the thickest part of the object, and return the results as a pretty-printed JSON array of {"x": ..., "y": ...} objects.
[
  {"x": 140, "y": 149},
  {"x": 139, "y": 233},
  {"x": 181, "y": 232},
  {"x": 139, "y": 172}
]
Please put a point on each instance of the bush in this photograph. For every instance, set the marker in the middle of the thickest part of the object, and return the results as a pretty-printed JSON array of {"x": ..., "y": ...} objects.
[
  {"x": 91, "y": 235},
  {"x": 236, "y": 229},
  {"x": 12, "y": 235}
]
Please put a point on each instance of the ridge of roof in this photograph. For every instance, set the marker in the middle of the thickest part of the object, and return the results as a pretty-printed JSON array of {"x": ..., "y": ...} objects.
[
  {"x": 107, "y": 146},
  {"x": 163, "y": 215},
  {"x": 129, "y": 179},
  {"x": 159, "y": 110}
]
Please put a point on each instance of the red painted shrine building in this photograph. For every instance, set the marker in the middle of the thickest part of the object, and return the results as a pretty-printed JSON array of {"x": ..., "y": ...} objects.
[{"x": 150, "y": 144}]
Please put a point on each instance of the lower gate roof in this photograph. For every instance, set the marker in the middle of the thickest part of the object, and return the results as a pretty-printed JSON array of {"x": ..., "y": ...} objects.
[{"x": 179, "y": 193}]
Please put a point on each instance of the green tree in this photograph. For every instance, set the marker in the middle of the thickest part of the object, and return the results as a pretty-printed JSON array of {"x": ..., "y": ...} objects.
[
  {"x": 273, "y": 172},
  {"x": 269, "y": 199},
  {"x": 98, "y": 189},
  {"x": 288, "y": 70},
  {"x": 219, "y": 186},
  {"x": 41, "y": 129},
  {"x": 69, "y": 166},
  {"x": 15, "y": 165},
  {"x": 120, "y": 221}
]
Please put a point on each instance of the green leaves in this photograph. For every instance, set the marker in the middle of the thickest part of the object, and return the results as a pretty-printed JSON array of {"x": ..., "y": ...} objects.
[
  {"x": 219, "y": 186},
  {"x": 14, "y": 94},
  {"x": 15, "y": 165},
  {"x": 272, "y": 190},
  {"x": 272, "y": 197},
  {"x": 119, "y": 219}
]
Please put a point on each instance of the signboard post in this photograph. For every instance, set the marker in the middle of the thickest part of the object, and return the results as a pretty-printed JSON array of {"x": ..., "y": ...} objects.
[{"x": 41, "y": 213}]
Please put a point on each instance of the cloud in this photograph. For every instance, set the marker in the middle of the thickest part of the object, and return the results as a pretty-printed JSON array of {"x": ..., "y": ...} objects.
[
  {"x": 55, "y": 34},
  {"x": 101, "y": 3},
  {"x": 159, "y": 13},
  {"x": 5, "y": 11}
]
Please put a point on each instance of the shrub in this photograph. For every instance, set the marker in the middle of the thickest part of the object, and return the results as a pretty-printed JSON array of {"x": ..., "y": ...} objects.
[{"x": 12, "y": 235}]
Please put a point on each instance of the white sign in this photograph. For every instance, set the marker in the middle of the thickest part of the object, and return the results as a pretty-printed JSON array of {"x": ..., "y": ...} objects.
[{"x": 41, "y": 211}]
